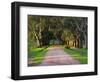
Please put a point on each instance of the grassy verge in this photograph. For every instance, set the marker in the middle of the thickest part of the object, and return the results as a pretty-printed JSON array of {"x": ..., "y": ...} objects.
[
  {"x": 79, "y": 54},
  {"x": 37, "y": 55}
]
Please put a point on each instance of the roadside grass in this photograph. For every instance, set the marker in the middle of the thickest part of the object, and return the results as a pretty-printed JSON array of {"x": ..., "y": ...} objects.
[
  {"x": 78, "y": 54},
  {"x": 37, "y": 55}
]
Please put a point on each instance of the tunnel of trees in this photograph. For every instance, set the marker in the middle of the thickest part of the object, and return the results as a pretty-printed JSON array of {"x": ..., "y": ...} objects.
[{"x": 46, "y": 30}]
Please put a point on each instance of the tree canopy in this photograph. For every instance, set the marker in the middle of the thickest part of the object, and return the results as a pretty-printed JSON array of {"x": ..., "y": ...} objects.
[{"x": 69, "y": 31}]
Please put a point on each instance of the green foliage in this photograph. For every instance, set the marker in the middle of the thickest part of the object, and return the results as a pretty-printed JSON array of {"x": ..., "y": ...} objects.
[
  {"x": 37, "y": 54},
  {"x": 79, "y": 54},
  {"x": 67, "y": 35},
  {"x": 42, "y": 29}
]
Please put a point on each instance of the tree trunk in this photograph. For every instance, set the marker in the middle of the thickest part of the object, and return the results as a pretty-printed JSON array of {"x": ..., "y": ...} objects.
[
  {"x": 81, "y": 43},
  {"x": 75, "y": 43},
  {"x": 78, "y": 43},
  {"x": 67, "y": 43},
  {"x": 85, "y": 41},
  {"x": 38, "y": 43}
]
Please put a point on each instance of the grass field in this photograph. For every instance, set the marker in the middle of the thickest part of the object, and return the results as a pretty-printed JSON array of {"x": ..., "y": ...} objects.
[
  {"x": 79, "y": 54},
  {"x": 37, "y": 54}
]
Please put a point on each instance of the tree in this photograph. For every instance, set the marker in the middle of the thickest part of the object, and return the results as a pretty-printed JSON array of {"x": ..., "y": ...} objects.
[
  {"x": 78, "y": 27},
  {"x": 42, "y": 29},
  {"x": 67, "y": 36},
  {"x": 36, "y": 25}
]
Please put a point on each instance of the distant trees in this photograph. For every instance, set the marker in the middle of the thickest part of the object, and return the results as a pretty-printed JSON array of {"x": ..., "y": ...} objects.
[{"x": 68, "y": 30}]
